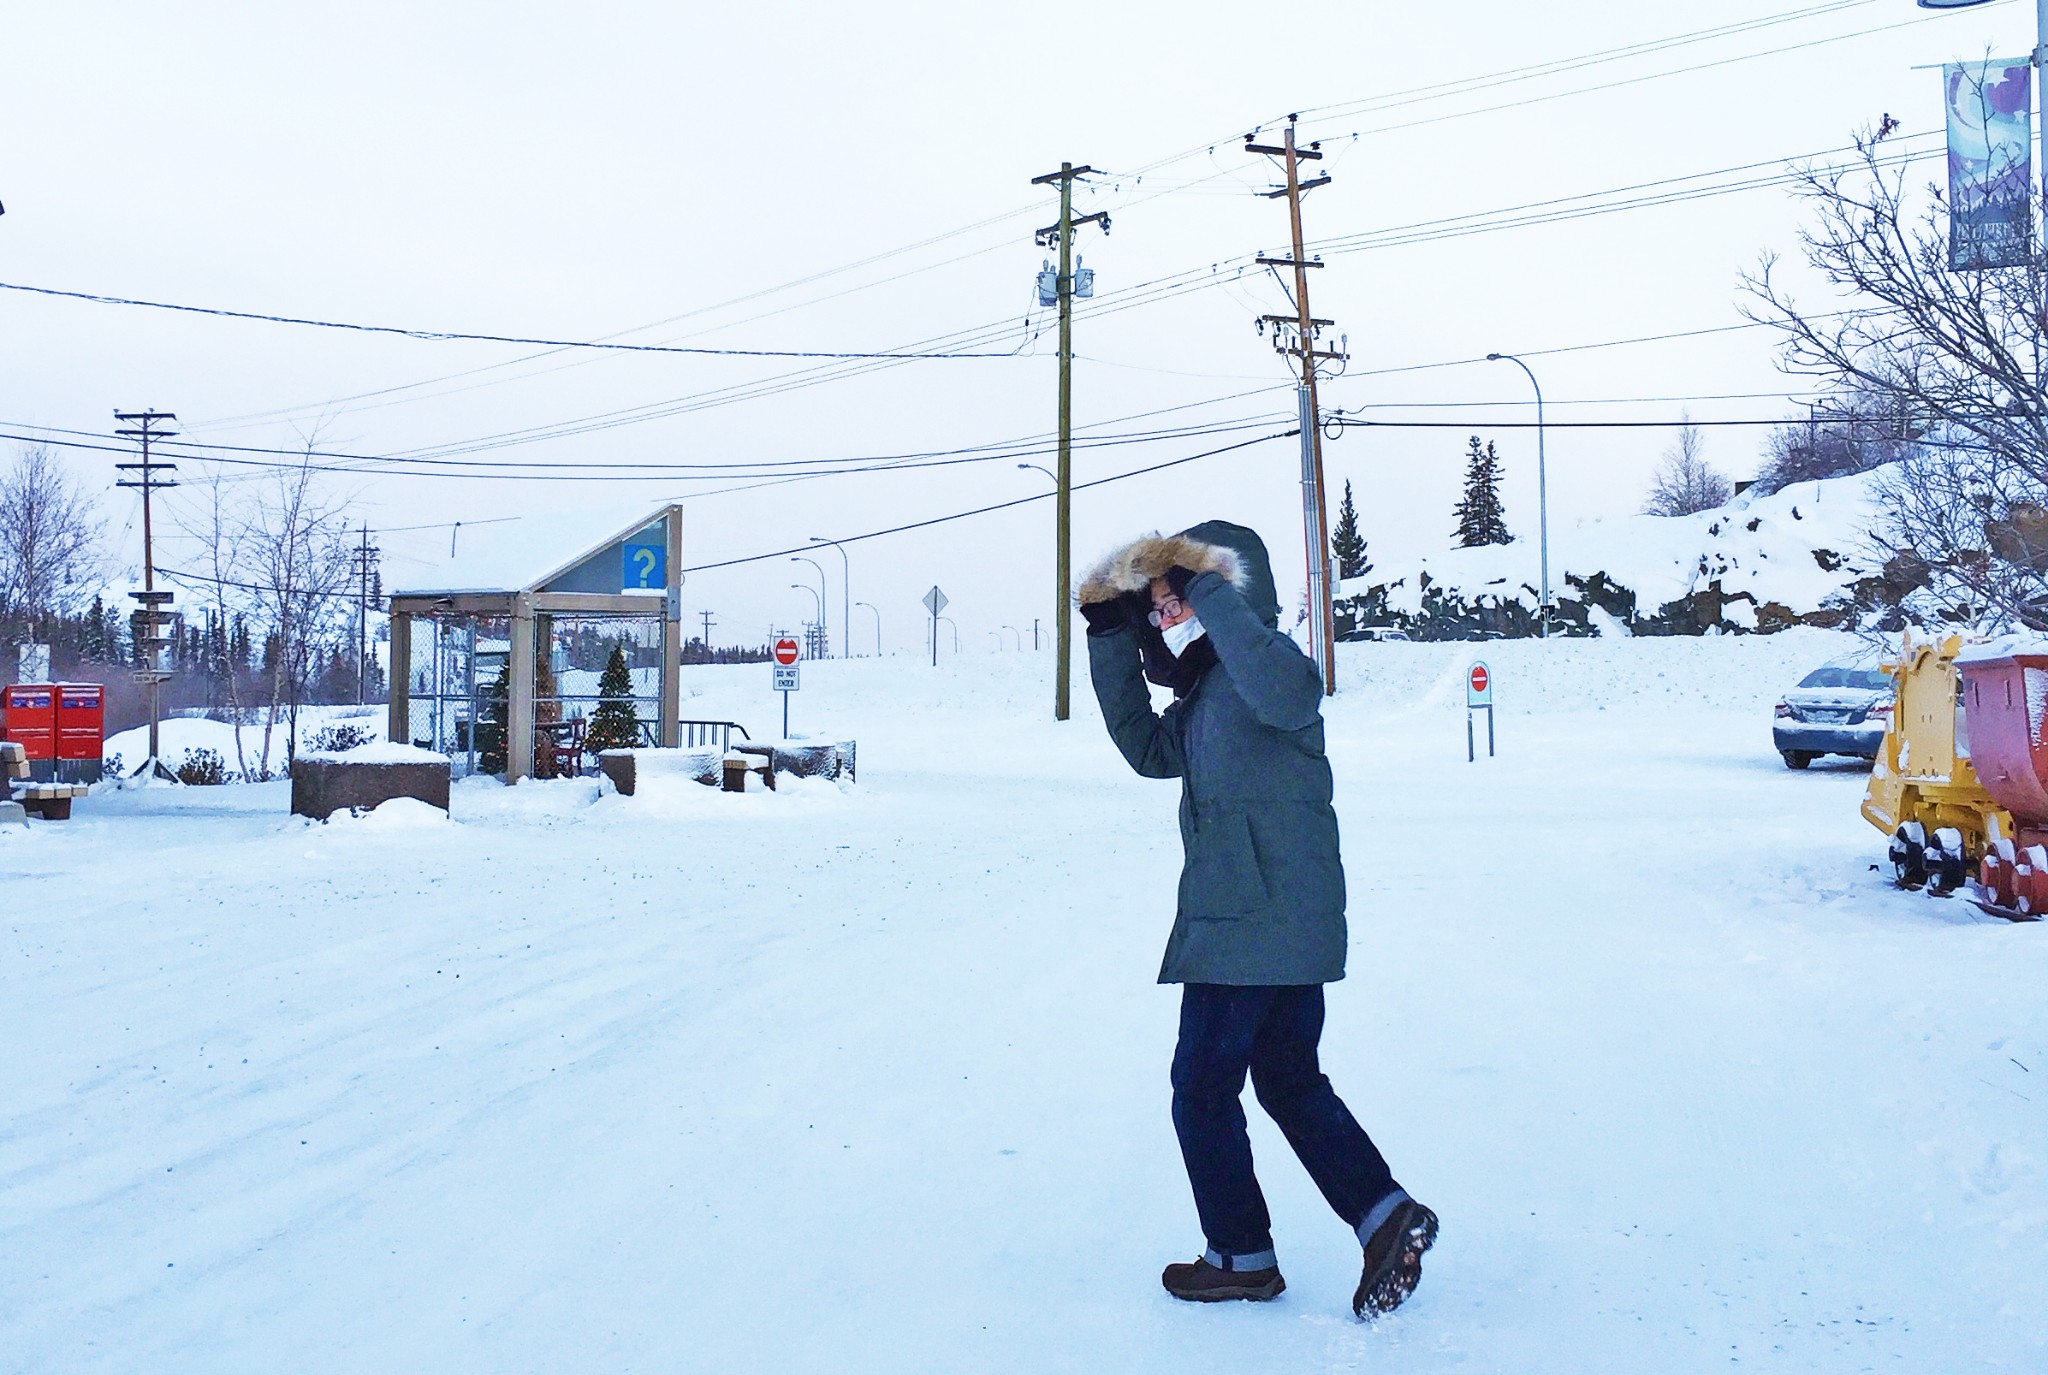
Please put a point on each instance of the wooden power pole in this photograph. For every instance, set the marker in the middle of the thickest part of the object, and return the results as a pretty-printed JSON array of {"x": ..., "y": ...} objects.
[
  {"x": 149, "y": 624},
  {"x": 1062, "y": 234},
  {"x": 364, "y": 559},
  {"x": 1296, "y": 334}
]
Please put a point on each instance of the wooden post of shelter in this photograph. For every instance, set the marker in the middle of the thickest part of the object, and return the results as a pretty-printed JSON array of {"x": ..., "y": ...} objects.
[
  {"x": 672, "y": 633},
  {"x": 398, "y": 721},
  {"x": 519, "y": 704}
]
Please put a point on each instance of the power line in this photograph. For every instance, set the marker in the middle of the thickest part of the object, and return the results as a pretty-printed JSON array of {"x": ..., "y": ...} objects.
[
  {"x": 232, "y": 421},
  {"x": 1349, "y": 422},
  {"x": 455, "y": 335},
  {"x": 1581, "y": 348},
  {"x": 998, "y": 506},
  {"x": 570, "y": 472},
  {"x": 753, "y": 391},
  {"x": 1563, "y": 207},
  {"x": 1658, "y": 76},
  {"x": 1141, "y": 294},
  {"x": 1460, "y": 85}
]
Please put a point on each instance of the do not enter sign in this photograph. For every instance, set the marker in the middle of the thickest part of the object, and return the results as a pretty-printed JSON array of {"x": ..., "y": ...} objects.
[
  {"x": 1479, "y": 687},
  {"x": 786, "y": 651},
  {"x": 1478, "y": 697}
]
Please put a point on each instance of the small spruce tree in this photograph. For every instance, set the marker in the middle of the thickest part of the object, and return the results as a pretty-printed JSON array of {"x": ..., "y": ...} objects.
[
  {"x": 491, "y": 756},
  {"x": 1479, "y": 515},
  {"x": 614, "y": 725},
  {"x": 1345, "y": 541}
]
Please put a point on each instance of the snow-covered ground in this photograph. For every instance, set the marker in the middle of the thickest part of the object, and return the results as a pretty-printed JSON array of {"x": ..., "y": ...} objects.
[{"x": 874, "y": 1078}]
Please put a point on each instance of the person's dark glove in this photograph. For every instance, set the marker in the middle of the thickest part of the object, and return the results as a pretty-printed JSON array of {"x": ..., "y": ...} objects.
[
  {"x": 1177, "y": 579},
  {"x": 1105, "y": 617}
]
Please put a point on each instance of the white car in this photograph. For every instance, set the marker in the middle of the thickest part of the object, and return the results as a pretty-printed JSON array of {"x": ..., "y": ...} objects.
[{"x": 1836, "y": 709}]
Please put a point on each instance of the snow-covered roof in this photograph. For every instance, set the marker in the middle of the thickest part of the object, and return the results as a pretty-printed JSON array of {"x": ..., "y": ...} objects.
[{"x": 520, "y": 553}]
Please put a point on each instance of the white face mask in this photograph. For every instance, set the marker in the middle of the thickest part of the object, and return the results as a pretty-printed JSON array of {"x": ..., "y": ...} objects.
[{"x": 1179, "y": 637}]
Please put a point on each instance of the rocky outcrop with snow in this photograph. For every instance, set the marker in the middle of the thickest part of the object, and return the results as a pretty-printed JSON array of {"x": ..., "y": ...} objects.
[{"x": 1760, "y": 563}]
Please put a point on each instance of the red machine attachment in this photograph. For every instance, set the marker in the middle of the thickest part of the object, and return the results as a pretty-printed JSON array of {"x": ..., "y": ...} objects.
[{"x": 2004, "y": 700}]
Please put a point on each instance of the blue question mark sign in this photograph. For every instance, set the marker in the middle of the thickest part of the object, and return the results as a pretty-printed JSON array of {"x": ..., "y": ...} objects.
[{"x": 644, "y": 565}]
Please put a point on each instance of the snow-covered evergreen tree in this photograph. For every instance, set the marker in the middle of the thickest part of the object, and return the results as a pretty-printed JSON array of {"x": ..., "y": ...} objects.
[
  {"x": 614, "y": 725},
  {"x": 491, "y": 743},
  {"x": 1479, "y": 515},
  {"x": 1346, "y": 543}
]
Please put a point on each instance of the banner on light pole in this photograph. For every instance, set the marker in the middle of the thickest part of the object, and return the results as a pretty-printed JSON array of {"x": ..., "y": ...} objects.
[{"x": 1990, "y": 163}]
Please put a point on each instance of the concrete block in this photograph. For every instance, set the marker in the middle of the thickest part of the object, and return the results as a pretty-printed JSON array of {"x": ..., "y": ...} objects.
[
  {"x": 625, "y": 768},
  {"x": 822, "y": 759},
  {"x": 322, "y": 787}
]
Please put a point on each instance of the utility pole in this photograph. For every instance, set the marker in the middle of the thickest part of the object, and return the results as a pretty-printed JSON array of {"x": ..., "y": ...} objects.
[
  {"x": 149, "y": 623},
  {"x": 708, "y": 623},
  {"x": 1301, "y": 343},
  {"x": 365, "y": 557},
  {"x": 1062, "y": 234}
]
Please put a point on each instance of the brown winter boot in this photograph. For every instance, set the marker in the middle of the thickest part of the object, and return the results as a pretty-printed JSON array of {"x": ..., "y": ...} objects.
[
  {"x": 1393, "y": 1259},
  {"x": 1202, "y": 1282}
]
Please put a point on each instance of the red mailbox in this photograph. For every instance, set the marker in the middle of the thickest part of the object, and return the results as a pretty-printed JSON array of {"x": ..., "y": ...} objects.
[
  {"x": 62, "y": 728},
  {"x": 28, "y": 714},
  {"x": 81, "y": 721}
]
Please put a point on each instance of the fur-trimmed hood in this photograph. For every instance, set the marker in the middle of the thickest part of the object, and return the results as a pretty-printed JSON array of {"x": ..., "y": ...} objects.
[{"x": 1214, "y": 546}]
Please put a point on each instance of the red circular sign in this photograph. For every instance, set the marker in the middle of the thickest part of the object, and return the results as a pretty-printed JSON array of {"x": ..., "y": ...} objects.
[
  {"x": 1479, "y": 678},
  {"x": 786, "y": 651}
]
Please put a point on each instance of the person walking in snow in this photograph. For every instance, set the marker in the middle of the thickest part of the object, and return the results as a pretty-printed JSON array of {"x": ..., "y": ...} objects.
[{"x": 1260, "y": 925}]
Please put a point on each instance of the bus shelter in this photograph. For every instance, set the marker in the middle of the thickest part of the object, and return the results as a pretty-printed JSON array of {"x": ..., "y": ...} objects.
[{"x": 477, "y": 672}]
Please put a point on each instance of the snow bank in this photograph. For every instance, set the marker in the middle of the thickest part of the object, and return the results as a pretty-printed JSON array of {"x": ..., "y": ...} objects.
[
  {"x": 399, "y": 814},
  {"x": 179, "y": 735}
]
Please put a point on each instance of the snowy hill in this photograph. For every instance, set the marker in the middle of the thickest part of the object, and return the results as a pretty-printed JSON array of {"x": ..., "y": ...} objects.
[{"x": 1795, "y": 550}]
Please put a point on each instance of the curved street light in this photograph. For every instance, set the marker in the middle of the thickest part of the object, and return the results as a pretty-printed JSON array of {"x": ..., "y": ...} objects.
[
  {"x": 1542, "y": 492},
  {"x": 815, "y": 598},
  {"x": 820, "y": 589},
  {"x": 878, "y": 626},
  {"x": 1018, "y": 633},
  {"x": 956, "y": 632},
  {"x": 845, "y": 596},
  {"x": 1047, "y": 471}
]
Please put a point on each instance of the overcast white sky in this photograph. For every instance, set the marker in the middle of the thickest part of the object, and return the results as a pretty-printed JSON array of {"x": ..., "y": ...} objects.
[{"x": 677, "y": 171}]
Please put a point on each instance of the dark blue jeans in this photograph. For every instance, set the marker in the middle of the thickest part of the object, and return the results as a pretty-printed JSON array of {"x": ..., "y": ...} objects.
[{"x": 1226, "y": 1031}]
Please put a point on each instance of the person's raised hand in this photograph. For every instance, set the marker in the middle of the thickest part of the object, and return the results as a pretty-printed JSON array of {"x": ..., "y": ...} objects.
[{"x": 1105, "y": 617}]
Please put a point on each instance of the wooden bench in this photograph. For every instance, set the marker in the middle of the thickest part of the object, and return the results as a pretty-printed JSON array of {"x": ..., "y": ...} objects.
[
  {"x": 50, "y": 801},
  {"x": 745, "y": 759}
]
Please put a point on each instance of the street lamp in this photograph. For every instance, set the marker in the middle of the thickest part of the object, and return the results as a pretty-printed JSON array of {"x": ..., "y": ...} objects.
[
  {"x": 845, "y": 595},
  {"x": 1018, "y": 633},
  {"x": 799, "y": 558},
  {"x": 817, "y": 600},
  {"x": 878, "y": 626},
  {"x": 1543, "y": 486},
  {"x": 1047, "y": 471},
  {"x": 956, "y": 632}
]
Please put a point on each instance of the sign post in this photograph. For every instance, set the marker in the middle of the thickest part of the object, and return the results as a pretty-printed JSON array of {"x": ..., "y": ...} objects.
[
  {"x": 1478, "y": 697},
  {"x": 787, "y": 652},
  {"x": 935, "y": 601}
]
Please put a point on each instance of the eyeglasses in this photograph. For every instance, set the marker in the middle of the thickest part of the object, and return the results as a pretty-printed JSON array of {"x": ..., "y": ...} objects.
[{"x": 1168, "y": 610}]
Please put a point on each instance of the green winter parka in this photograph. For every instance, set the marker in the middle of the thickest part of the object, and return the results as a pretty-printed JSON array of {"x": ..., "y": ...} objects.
[{"x": 1262, "y": 884}]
